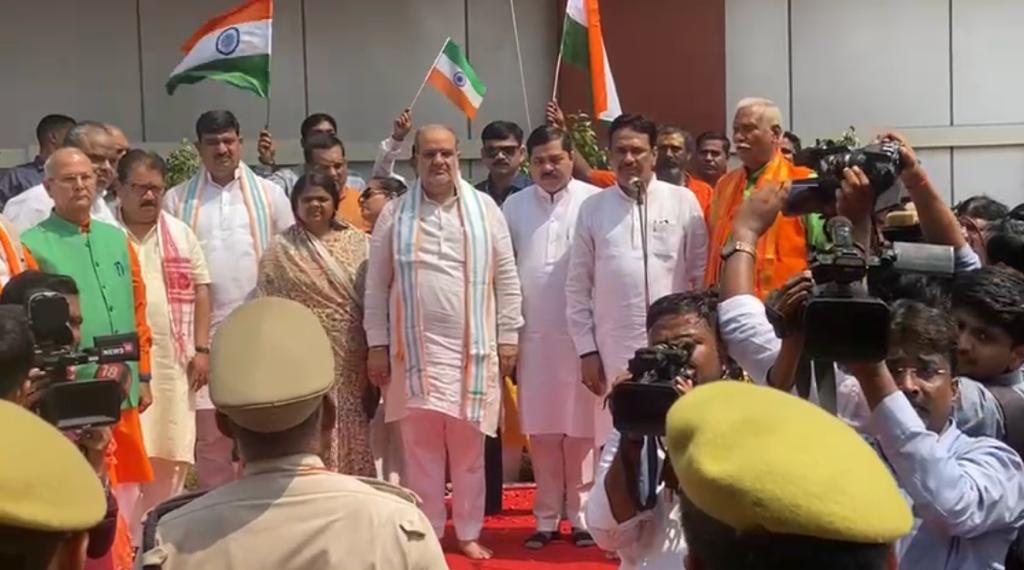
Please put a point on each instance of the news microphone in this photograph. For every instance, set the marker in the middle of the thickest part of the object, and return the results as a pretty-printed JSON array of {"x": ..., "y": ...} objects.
[{"x": 640, "y": 187}]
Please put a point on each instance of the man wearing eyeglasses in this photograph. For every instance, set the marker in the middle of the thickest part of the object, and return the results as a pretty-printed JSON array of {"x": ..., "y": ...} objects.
[
  {"x": 98, "y": 143},
  {"x": 105, "y": 267},
  {"x": 503, "y": 155},
  {"x": 178, "y": 309}
]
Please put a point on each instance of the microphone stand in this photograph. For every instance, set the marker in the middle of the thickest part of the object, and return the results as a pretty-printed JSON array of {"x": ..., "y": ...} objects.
[{"x": 641, "y": 205}]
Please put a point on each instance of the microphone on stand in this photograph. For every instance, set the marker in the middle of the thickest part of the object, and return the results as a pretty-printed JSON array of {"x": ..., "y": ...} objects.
[{"x": 640, "y": 187}]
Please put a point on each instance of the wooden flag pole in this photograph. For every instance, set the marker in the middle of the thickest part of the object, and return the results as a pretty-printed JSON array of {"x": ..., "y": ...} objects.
[
  {"x": 522, "y": 74},
  {"x": 427, "y": 76},
  {"x": 558, "y": 69}
]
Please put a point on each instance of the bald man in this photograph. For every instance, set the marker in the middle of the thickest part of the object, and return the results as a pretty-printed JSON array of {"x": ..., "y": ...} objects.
[
  {"x": 100, "y": 146},
  {"x": 443, "y": 313},
  {"x": 782, "y": 252}
]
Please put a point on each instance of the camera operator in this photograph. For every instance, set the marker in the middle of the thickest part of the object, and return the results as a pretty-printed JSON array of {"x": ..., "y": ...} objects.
[
  {"x": 19, "y": 382},
  {"x": 744, "y": 324},
  {"x": 652, "y": 538},
  {"x": 967, "y": 493}
]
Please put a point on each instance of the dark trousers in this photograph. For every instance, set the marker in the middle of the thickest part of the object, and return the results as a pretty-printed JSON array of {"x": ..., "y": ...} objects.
[{"x": 493, "y": 474}]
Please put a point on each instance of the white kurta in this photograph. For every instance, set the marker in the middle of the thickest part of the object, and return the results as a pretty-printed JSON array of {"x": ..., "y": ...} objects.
[
  {"x": 34, "y": 205},
  {"x": 168, "y": 426},
  {"x": 605, "y": 291},
  {"x": 552, "y": 399},
  {"x": 442, "y": 293},
  {"x": 223, "y": 232}
]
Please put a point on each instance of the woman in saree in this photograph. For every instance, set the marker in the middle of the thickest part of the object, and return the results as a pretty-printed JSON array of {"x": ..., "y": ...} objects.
[{"x": 320, "y": 262}]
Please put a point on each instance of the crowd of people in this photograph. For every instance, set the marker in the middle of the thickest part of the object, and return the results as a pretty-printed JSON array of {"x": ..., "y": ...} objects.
[{"x": 333, "y": 355}]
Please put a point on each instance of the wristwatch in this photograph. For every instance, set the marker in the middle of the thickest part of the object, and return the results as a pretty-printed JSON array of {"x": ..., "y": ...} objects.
[
  {"x": 203, "y": 349},
  {"x": 733, "y": 246}
]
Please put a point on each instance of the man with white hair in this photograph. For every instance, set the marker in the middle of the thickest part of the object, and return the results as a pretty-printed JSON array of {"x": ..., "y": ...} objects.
[
  {"x": 99, "y": 144},
  {"x": 782, "y": 251}
]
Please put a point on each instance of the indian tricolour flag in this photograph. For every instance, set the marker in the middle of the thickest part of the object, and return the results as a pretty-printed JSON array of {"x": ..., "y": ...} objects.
[
  {"x": 233, "y": 47},
  {"x": 454, "y": 77},
  {"x": 583, "y": 46}
]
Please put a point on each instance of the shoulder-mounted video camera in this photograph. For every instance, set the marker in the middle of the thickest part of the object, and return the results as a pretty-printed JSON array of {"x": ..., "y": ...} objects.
[
  {"x": 880, "y": 162},
  {"x": 640, "y": 404},
  {"x": 66, "y": 403},
  {"x": 842, "y": 322}
]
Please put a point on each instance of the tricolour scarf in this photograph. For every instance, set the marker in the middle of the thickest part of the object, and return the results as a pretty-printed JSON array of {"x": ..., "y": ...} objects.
[
  {"x": 257, "y": 204},
  {"x": 478, "y": 272},
  {"x": 181, "y": 291}
]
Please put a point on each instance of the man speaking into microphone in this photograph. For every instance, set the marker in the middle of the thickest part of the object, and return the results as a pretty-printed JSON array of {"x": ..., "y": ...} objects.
[{"x": 634, "y": 242}]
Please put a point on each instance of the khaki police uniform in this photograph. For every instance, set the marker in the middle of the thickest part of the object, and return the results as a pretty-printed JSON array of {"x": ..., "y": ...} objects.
[{"x": 270, "y": 368}]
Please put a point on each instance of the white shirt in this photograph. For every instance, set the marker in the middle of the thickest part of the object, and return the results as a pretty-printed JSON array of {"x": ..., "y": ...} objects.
[
  {"x": 34, "y": 205},
  {"x": 606, "y": 303},
  {"x": 652, "y": 539},
  {"x": 751, "y": 342},
  {"x": 441, "y": 289},
  {"x": 223, "y": 231},
  {"x": 387, "y": 155},
  {"x": 552, "y": 399}
]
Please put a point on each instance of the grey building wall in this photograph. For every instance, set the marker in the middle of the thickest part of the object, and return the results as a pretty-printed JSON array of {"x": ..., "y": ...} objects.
[{"x": 361, "y": 61}]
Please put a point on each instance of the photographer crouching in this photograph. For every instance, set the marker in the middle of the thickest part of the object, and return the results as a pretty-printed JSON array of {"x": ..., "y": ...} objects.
[
  {"x": 23, "y": 384},
  {"x": 631, "y": 508}
]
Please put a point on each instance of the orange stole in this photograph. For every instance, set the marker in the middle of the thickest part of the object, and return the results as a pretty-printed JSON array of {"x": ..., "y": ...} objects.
[
  {"x": 11, "y": 254},
  {"x": 782, "y": 251},
  {"x": 703, "y": 191}
]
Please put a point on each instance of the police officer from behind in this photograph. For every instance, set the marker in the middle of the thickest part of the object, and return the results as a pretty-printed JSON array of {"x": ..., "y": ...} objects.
[
  {"x": 49, "y": 495},
  {"x": 769, "y": 481},
  {"x": 270, "y": 371}
]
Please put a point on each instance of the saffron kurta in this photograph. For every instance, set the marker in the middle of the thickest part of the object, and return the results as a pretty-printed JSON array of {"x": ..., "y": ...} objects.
[
  {"x": 552, "y": 399},
  {"x": 782, "y": 251},
  {"x": 606, "y": 303}
]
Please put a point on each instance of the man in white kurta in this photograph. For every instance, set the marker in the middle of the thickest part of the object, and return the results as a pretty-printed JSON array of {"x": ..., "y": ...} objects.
[
  {"x": 234, "y": 214},
  {"x": 178, "y": 310},
  {"x": 610, "y": 285},
  {"x": 420, "y": 291},
  {"x": 97, "y": 142},
  {"x": 556, "y": 409}
]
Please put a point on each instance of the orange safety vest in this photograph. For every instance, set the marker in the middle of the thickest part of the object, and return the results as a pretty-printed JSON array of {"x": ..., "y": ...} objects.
[{"x": 782, "y": 251}]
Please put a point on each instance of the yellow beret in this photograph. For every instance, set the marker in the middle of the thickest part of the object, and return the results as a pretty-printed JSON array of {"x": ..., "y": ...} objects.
[
  {"x": 270, "y": 364},
  {"x": 758, "y": 459},
  {"x": 45, "y": 482}
]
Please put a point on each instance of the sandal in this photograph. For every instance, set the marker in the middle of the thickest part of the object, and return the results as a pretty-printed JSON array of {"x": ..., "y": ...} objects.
[
  {"x": 582, "y": 538},
  {"x": 539, "y": 540}
]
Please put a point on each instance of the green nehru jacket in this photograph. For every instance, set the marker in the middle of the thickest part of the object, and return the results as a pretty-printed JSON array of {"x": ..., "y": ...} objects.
[{"x": 99, "y": 262}]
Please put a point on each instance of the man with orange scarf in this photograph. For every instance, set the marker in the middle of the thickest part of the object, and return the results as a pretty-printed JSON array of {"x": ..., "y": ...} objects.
[{"x": 782, "y": 251}]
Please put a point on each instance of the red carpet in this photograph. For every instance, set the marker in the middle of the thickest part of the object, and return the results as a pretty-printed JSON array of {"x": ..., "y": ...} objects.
[{"x": 505, "y": 533}]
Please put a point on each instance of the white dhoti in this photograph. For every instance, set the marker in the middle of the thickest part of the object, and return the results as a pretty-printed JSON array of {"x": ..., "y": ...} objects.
[{"x": 428, "y": 438}]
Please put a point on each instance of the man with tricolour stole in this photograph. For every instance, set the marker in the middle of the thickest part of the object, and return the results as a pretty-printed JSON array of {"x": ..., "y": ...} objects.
[
  {"x": 234, "y": 213},
  {"x": 443, "y": 313},
  {"x": 106, "y": 269},
  {"x": 782, "y": 252}
]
